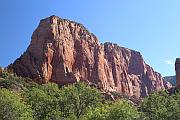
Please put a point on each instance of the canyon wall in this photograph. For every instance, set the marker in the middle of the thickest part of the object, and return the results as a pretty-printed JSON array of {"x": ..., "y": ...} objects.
[
  {"x": 177, "y": 69},
  {"x": 63, "y": 51}
]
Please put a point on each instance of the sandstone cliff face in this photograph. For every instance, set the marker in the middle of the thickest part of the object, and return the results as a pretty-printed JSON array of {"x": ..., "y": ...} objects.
[
  {"x": 177, "y": 69},
  {"x": 64, "y": 52}
]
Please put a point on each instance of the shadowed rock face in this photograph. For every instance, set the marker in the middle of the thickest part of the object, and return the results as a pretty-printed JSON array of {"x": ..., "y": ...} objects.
[
  {"x": 64, "y": 52},
  {"x": 177, "y": 68}
]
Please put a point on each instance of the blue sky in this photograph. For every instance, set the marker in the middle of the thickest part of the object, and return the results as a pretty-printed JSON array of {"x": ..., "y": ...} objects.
[{"x": 149, "y": 26}]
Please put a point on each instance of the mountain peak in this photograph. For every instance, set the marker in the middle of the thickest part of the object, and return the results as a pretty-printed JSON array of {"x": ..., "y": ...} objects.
[{"x": 64, "y": 52}]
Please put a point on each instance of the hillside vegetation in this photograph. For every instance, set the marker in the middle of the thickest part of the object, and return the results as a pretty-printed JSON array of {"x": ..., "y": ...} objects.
[{"x": 22, "y": 99}]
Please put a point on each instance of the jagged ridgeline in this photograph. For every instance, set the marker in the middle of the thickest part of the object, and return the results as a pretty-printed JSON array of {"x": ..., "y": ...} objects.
[{"x": 64, "y": 52}]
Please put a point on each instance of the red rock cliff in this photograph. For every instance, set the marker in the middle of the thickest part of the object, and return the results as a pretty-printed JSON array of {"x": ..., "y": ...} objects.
[
  {"x": 63, "y": 52},
  {"x": 177, "y": 69}
]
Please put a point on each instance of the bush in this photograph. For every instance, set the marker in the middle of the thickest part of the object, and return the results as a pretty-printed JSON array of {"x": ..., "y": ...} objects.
[{"x": 17, "y": 84}]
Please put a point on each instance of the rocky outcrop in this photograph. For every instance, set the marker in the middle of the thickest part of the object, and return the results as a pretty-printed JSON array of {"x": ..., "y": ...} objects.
[
  {"x": 1, "y": 71},
  {"x": 64, "y": 52},
  {"x": 177, "y": 69},
  {"x": 170, "y": 79}
]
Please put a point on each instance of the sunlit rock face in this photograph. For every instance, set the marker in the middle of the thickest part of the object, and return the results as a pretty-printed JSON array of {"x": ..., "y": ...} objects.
[{"x": 65, "y": 52}]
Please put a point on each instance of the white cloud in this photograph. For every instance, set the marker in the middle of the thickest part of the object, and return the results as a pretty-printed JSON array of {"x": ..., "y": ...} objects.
[{"x": 169, "y": 62}]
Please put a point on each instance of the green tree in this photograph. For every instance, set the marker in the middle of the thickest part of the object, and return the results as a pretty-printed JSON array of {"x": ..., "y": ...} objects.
[
  {"x": 160, "y": 106},
  {"x": 51, "y": 89},
  {"x": 97, "y": 113},
  {"x": 176, "y": 109},
  {"x": 54, "y": 115},
  {"x": 122, "y": 110},
  {"x": 77, "y": 98},
  {"x": 42, "y": 103},
  {"x": 12, "y": 107}
]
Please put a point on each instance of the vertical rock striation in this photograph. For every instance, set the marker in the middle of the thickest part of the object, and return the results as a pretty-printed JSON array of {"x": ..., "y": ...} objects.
[{"x": 64, "y": 52}]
